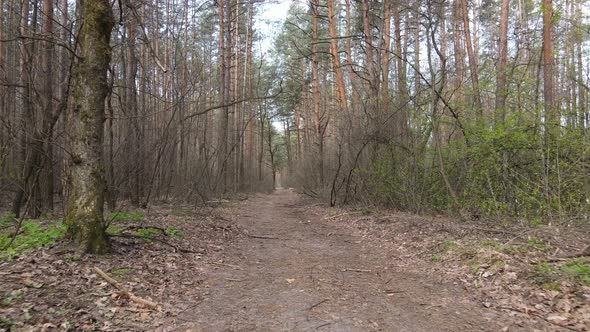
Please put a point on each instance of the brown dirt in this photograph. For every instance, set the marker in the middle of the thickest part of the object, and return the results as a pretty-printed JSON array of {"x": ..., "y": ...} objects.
[
  {"x": 279, "y": 262},
  {"x": 294, "y": 271}
]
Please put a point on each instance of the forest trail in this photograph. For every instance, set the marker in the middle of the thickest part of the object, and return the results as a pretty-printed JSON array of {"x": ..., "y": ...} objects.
[{"x": 290, "y": 273}]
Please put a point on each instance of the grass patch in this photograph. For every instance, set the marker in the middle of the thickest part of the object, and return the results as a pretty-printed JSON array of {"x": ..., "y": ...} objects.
[
  {"x": 448, "y": 245},
  {"x": 551, "y": 286},
  {"x": 31, "y": 235},
  {"x": 578, "y": 270},
  {"x": 114, "y": 230},
  {"x": 474, "y": 267},
  {"x": 436, "y": 258},
  {"x": 146, "y": 232},
  {"x": 125, "y": 216},
  {"x": 573, "y": 269},
  {"x": 173, "y": 232},
  {"x": 7, "y": 220}
]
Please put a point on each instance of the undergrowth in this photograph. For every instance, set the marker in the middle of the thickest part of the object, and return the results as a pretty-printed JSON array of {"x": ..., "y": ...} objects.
[{"x": 32, "y": 234}]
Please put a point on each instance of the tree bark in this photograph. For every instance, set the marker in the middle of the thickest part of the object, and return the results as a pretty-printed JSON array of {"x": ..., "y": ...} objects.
[
  {"x": 85, "y": 219},
  {"x": 336, "y": 58},
  {"x": 472, "y": 62},
  {"x": 501, "y": 91},
  {"x": 316, "y": 89}
]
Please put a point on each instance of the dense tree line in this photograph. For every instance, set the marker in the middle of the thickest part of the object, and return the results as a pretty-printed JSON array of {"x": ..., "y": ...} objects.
[
  {"x": 476, "y": 107},
  {"x": 422, "y": 105},
  {"x": 182, "y": 112}
]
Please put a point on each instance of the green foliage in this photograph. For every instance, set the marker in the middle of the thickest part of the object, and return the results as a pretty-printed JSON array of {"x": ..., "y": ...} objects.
[
  {"x": 32, "y": 234},
  {"x": 146, "y": 233},
  {"x": 574, "y": 269},
  {"x": 114, "y": 230},
  {"x": 498, "y": 171},
  {"x": 173, "y": 232},
  {"x": 436, "y": 258},
  {"x": 7, "y": 220},
  {"x": 125, "y": 216},
  {"x": 579, "y": 270},
  {"x": 447, "y": 245}
]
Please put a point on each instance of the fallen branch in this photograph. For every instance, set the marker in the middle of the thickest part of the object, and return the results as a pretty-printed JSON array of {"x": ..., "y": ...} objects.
[
  {"x": 124, "y": 292},
  {"x": 265, "y": 237}
]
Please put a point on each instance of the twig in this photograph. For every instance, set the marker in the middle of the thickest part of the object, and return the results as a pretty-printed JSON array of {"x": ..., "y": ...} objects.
[
  {"x": 317, "y": 304},
  {"x": 356, "y": 270},
  {"x": 320, "y": 326},
  {"x": 262, "y": 237},
  {"x": 228, "y": 265},
  {"x": 266, "y": 237},
  {"x": 124, "y": 292}
]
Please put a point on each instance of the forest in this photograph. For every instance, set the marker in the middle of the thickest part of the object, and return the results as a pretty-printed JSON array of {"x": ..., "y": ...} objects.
[{"x": 116, "y": 116}]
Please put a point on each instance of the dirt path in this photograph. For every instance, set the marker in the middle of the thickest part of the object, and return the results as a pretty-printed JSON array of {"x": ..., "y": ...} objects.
[{"x": 298, "y": 274}]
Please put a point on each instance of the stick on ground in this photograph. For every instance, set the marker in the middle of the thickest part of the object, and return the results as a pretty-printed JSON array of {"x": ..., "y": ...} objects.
[{"x": 124, "y": 292}]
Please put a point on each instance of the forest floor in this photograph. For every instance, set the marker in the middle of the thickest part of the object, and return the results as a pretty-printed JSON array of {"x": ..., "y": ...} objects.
[{"x": 282, "y": 262}]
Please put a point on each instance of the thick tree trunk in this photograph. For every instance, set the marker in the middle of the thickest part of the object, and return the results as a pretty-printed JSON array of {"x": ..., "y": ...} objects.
[{"x": 85, "y": 219}]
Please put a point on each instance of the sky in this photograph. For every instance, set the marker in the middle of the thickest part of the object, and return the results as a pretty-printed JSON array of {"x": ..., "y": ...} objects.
[{"x": 269, "y": 21}]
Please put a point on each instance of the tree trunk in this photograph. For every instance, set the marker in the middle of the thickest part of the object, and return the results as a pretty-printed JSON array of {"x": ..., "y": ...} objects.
[
  {"x": 85, "y": 219},
  {"x": 336, "y": 58},
  {"x": 472, "y": 62},
  {"x": 316, "y": 89},
  {"x": 133, "y": 145},
  {"x": 501, "y": 91}
]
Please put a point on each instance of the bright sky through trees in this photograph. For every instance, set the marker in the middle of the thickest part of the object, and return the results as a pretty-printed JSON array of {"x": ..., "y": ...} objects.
[{"x": 269, "y": 21}]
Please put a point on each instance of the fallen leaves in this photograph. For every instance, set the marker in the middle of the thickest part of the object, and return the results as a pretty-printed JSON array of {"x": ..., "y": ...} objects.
[{"x": 52, "y": 289}]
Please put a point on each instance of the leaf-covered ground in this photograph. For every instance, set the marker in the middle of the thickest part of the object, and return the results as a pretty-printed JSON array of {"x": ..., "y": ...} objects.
[
  {"x": 519, "y": 269},
  {"x": 281, "y": 262},
  {"x": 51, "y": 289}
]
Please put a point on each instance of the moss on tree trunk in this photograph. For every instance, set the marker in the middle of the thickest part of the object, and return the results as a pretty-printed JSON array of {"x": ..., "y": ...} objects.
[{"x": 86, "y": 226}]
